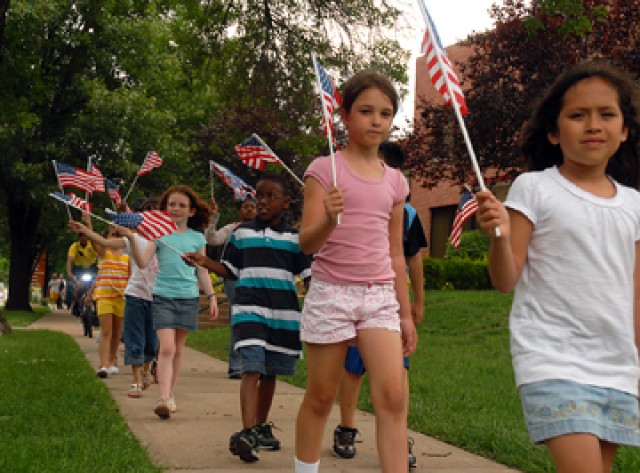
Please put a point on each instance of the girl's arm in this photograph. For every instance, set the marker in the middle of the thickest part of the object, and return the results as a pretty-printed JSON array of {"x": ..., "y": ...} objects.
[
  {"x": 407, "y": 326},
  {"x": 636, "y": 305},
  {"x": 319, "y": 215},
  {"x": 508, "y": 252},
  {"x": 142, "y": 257},
  {"x": 116, "y": 243},
  {"x": 205, "y": 282}
]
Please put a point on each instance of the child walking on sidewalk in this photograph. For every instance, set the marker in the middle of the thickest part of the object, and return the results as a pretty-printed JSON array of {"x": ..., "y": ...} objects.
[
  {"x": 358, "y": 292},
  {"x": 264, "y": 257},
  {"x": 569, "y": 245}
]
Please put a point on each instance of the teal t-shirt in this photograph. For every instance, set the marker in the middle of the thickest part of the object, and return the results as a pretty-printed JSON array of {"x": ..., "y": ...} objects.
[{"x": 176, "y": 279}]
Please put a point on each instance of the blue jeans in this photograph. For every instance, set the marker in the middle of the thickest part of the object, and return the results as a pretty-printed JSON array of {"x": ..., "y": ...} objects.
[{"x": 140, "y": 340}]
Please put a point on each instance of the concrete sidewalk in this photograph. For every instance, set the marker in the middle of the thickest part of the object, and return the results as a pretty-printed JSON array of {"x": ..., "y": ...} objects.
[{"x": 196, "y": 438}]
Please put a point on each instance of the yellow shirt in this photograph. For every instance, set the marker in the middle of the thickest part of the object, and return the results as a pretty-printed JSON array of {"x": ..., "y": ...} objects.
[
  {"x": 83, "y": 256},
  {"x": 113, "y": 275}
]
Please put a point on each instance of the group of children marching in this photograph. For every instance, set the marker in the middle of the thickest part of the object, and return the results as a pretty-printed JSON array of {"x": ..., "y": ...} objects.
[{"x": 567, "y": 243}]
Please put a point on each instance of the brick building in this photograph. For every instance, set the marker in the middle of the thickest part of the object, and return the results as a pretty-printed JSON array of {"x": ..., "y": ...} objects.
[{"x": 436, "y": 207}]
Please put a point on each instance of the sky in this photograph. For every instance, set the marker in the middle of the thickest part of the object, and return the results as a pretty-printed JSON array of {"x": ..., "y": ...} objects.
[{"x": 454, "y": 20}]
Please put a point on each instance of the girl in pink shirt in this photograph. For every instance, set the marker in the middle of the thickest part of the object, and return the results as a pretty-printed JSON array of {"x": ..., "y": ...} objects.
[{"x": 358, "y": 291}]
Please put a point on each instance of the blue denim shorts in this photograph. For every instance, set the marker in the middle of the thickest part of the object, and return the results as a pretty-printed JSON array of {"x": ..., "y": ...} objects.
[
  {"x": 175, "y": 313},
  {"x": 558, "y": 407},
  {"x": 255, "y": 359},
  {"x": 353, "y": 362}
]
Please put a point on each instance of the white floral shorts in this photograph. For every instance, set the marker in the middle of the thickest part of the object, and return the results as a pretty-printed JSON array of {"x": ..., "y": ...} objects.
[{"x": 334, "y": 313}]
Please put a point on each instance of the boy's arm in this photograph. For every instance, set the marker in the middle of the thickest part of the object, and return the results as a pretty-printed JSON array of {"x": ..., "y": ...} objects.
[
  {"x": 408, "y": 328},
  {"x": 200, "y": 259},
  {"x": 416, "y": 276}
]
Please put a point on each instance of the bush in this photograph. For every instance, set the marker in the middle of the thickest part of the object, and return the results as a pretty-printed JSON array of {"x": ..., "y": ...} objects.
[
  {"x": 456, "y": 273},
  {"x": 474, "y": 245}
]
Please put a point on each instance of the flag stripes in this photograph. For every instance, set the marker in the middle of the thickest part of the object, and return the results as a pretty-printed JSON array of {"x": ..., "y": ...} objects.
[
  {"x": 151, "y": 161},
  {"x": 467, "y": 207},
  {"x": 151, "y": 225},
  {"x": 254, "y": 154}
]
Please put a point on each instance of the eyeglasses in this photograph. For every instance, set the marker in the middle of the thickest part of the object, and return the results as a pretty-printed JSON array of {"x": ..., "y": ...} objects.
[{"x": 268, "y": 197}]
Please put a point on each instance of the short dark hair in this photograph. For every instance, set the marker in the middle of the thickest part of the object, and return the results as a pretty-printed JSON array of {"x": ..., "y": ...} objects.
[
  {"x": 278, "y": 179},
  {"x": 392, "y": 153}
]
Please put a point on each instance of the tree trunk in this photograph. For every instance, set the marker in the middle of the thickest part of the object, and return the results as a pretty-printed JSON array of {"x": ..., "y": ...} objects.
[{"x": 24, "y": 217}]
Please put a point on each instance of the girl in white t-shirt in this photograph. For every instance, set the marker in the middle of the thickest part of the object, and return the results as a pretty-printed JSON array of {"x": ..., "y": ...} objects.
[
  {"x": 568, "y": 244},
  {"x": 358, "y": 290}
]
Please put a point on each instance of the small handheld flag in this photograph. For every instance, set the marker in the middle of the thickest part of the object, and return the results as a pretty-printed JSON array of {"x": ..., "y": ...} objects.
[
  {"x": 329, "y": 96},
  {"x": 98, "y": 178},
  {"x": 113, "y": 191},
  {"x": 69, "y": 176},
  {"x": 240, "y": 188},
  {"x": 151, "y": 161},
  {"x": 440, "y": 68},
  {"x": 151, "y": 225},
  {"x": 254, "y": 154},
  {"x": 467, "y": 207},
  {"x": 72, "y": 200}
]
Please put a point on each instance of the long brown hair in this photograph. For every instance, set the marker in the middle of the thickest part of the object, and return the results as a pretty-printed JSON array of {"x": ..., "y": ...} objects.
[{"x": 200, "y": 218}]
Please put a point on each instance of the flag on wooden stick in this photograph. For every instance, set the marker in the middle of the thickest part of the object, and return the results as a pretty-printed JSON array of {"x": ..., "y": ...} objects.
[
  {"x": 151, "y": 225},
  {"x": 254, "y": 154},
  {"x": 72, "y": 200},
  {"x": 467, "y": 207}
]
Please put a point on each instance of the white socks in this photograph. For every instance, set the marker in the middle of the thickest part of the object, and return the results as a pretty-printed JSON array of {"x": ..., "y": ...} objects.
[{"x": 302, "y": 467}]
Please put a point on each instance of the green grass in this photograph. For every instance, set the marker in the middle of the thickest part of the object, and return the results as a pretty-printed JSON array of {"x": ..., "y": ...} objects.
[
  {"x": 22, "y": 318},
  {"x": 462, "y": 385},
  {"x": 55, "y": 415}
]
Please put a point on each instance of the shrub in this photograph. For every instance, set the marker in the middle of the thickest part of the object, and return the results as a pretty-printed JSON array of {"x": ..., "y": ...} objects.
[
  {"x": 456, "y": 273},
  {"x": 474, "y": 245}
]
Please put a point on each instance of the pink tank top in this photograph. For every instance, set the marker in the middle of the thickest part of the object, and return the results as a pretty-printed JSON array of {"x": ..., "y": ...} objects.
[{"x": 357, "y": 251}]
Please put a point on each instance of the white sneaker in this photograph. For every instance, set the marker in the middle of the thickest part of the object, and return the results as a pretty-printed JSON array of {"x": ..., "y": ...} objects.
[
  {"x": 113, "y": 370},
  {"x": 171, "y": 404}
]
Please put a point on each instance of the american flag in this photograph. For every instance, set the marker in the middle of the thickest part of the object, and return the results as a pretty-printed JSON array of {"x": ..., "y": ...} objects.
[
  {"x": 151, "y": 225},
  {"x": 330, "y": 97},
  {"x": 441, "y": 71},
  {"x": 69, "y": 176},
  {"x": 240, "y": 188},
  {"x": 254, "y": 154},
  {"x": 466, "y": 208},
  {"x": 152, "y": 160},
  {"x": 98, "y": 177},
  {"x": 113, "y": 191},
  {"x": 72, "y": 200}
]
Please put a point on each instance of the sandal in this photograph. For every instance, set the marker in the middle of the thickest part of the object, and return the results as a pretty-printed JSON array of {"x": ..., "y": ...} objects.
[
  {"x": 135, "y": 391},
  {"x": 146, "y": 380}
]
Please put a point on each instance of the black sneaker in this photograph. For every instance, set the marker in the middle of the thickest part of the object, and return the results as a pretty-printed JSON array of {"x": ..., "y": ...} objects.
[
  {"x": 265, "y": 436},
  {"x": 245, "y": 445},
  {"x": 412, "y": 458},
  {"x": 344, "y": 440}
]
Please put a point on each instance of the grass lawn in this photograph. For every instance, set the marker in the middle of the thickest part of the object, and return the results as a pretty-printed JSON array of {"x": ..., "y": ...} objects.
[
  {"x": 462, "y": 384},
  {"x": 55, "y": 415}
]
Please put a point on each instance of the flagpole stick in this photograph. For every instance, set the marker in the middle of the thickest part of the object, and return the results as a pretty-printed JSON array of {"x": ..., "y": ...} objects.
[
  {"x": 281, "y": 161},
  {"x": 327, "y": 119},
  {"x": 211, "y": 179},
  {"x": 131, "y": 188},
  {"x": 456, "y": 109},
  {"x": 55, "y": 169}
]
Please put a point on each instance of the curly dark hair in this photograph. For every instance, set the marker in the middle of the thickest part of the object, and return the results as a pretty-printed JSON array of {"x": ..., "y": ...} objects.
[
  {"x": 541, "y": 154},
  {"x": 200, "y": 219}
]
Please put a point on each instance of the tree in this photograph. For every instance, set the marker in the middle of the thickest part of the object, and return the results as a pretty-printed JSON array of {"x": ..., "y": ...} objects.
[
  {"x": 114, "y": 80},
  {"x": 508, "y": 70}
]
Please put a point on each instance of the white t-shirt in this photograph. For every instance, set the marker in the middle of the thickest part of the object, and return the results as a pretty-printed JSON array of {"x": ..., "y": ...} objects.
[
  {"x": 572, "y": 314},
  {"x": 141, "y": 281}
]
